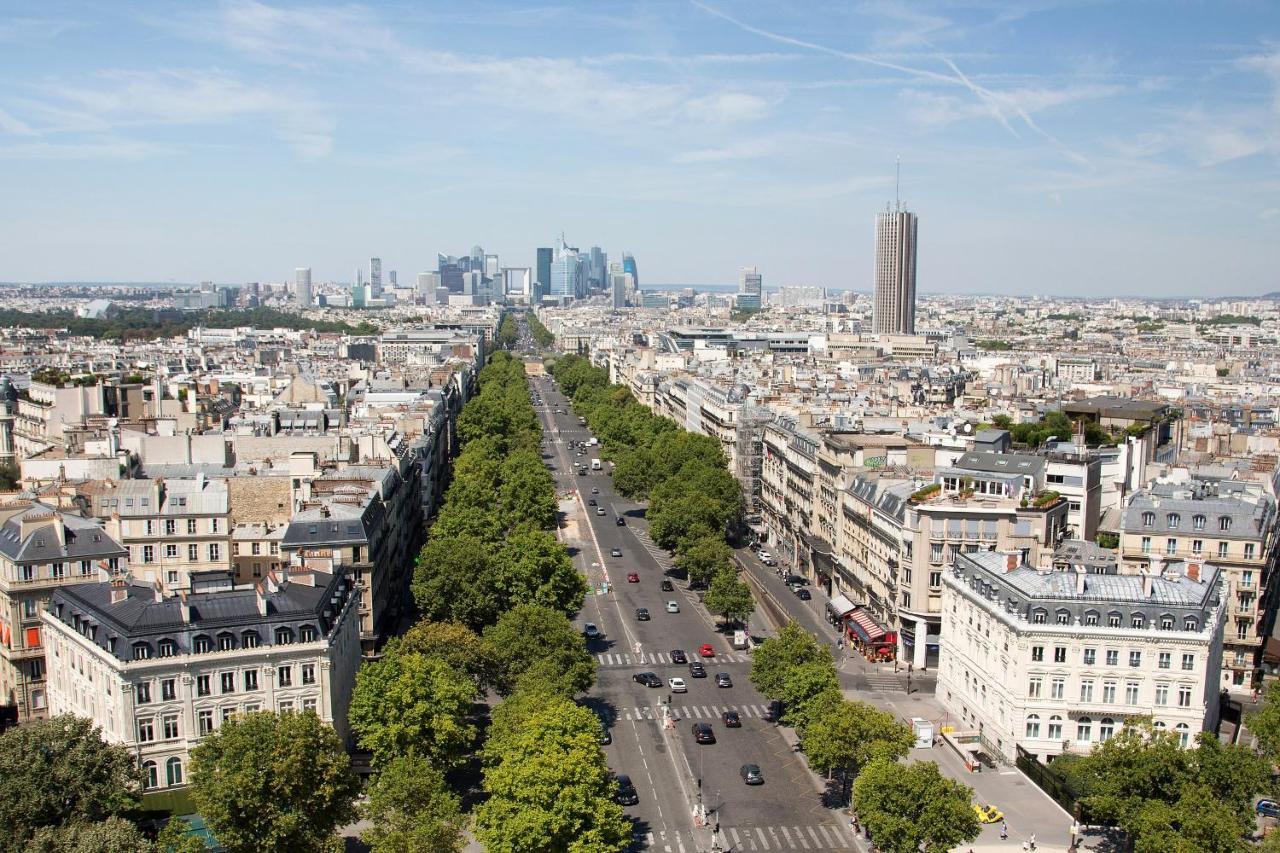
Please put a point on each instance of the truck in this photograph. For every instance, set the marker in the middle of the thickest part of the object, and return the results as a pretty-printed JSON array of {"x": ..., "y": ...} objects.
[
  {"x": 595, "y": 464},
  {"x": 593, "y": 441}
]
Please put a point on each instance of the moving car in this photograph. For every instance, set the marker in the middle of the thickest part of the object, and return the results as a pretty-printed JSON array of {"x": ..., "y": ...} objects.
[
  {"x": 678, "y": 656},
  {"x": 731, "y": 720},
  {"x": 703, "y": 733},
  {"x": 677, "y": 685},
  {"x": 606, "y": 736},
  {"x": 615, "y": 552},
  {"x": 622, "y": 522},
  {"x": 599, "y": 510},
  {"x": 802, "y": 593},
  {"x": 668, "y": 586},
  {"x": 591, "y": 631},
  {"x": 723, "y": 680},
  {"x": 1268, "y": 808},
  {"x": 633, "y": 577},
  {"x": 987, "y": 814},
  {"x": 648, "y": 679},
  {"x": 697, "y": 670},
  {"x": 642, "y": 614},
  {"x": 673, "y": 607},
  {"x": 594, "y": 490},
  {"x": 796, "y": 580},
  {"x": 751, "y": 774},
  {"x": 707, "y": 651},
  {"x": 591, "y": 501},
  {"x": 626, "y": 795}
]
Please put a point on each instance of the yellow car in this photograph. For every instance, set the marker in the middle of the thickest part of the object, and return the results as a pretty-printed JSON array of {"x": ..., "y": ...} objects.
[{"x": 988, "y": 814}]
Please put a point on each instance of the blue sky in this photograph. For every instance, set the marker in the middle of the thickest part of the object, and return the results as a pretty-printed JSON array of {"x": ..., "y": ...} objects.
[{"x": 1083, "y": 148}]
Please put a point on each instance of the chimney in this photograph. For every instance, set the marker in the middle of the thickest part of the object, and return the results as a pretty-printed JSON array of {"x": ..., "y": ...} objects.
[
  {"x": 1147, "y": 583},
  {"x": 1080, "y": 580},
  {"x": 119, "y": 589},
  {"x": 1193, "y": 571},
  {"x": 1010, "y": 561},
  {"x": 262, "y": 599},
  {"x": 184, "y": 609}
]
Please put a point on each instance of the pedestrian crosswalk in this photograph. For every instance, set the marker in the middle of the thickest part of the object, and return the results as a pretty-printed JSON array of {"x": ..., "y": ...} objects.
[
  {"x": 741, "y": 838},
  {"x": 664, "y": 659},
  {"x": 691, "y": 712}
]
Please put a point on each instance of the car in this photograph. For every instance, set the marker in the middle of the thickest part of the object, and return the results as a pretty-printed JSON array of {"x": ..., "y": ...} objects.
[
  {"x": 723, "y": 680},
  {"x": 633, "y": 577},
  {"x": 751, "y": 774},
  {"x": 796, "y": 580},
  {"x": 697, "y": 670},
  {"x": 591, "y": 631},
  {"x": 773, "y": 712},
  {"x": 599, "y": 510},
  {"x": 678, "y": 656},
  {"x": 764, "y": 555},
  {"x": 768, "y": 561},
  {"x": 802, "y": 593},
  {"x": 615, "y": 552},
  {"x": 754, "y": 546},
  {"x": 987, "y": 814},
  {"x": 606, "y": 736},
  {"x": 591, "y": 502},
  {"x": 1268, "y": 808},
  {"x": 626, "y": 795},
  {"x": 703, "y": 733},
  {"x": 731, "y": 720},
  {"x": 648, "y": 679},
  {"x": 707, "y": 651},
  {"x": 673, "y": 607},
  {"x": 621, "y": 522},
  {"x": 668, "y": 586},
  {"x": 594, "y": 490},
  {"x": 677, "y": 685},
  {"x": 642, "y": 614}
]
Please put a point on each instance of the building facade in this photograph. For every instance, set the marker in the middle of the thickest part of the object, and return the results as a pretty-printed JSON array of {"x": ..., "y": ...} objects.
[{"x": 894, "y": 312}]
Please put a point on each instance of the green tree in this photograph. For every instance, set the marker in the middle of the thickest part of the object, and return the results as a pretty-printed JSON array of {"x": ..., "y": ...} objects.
[
  {"x": 913, "y": 807},
  {"x": 176, "y": 836},
  {"x": 10, "y": 476},
  {"x": 792, "y": 647},
  {"x": 730, "y": 597},
  {"x": 453, "y": 643},
  {"x": 59, "y": 771},
  {"x": 677, "y": 523},
  {"x": 447, "y": 581},
  {"x": 802, "y": 684},
  {"x": 705, "y": 558},
  {"x": 114, "y": 834},
  {"x": 529, "y": 633},
  {"x": 534, "y": 567},
  {"x": 268, "y": 781},
  {"x": 551, "y": 789},
  {"x": 1197, "y": 822},
  {"x": 845, "y": 736},
  {"x": 1265, "y": 723},
  {"x": 411, "y": 808},
  {"x": 412, "y": 704}
]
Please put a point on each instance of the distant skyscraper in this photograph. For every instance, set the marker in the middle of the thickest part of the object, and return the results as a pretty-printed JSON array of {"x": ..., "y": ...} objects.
[
  {"x": 375, "y": 276},
  {"x": 629, "y": 265},
  {"x": 391, "y": 278},
  {"x": 597, "y": 268},
  {"x": 302, "y": 285},
  {"x": 618, "y": 281},
  {"x": 545, "y": 256},
  {"x": 750, "y": 288},
  {"x": 895, "y": 306},
  {"x": 477, "y": 258}
]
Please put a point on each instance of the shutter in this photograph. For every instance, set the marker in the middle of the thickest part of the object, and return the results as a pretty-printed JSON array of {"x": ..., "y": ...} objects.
[{"x": 33, "y": 638}]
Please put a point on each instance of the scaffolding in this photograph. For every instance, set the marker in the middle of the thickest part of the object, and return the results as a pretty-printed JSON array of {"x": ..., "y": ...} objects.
[{"x": 749, "y": 454}]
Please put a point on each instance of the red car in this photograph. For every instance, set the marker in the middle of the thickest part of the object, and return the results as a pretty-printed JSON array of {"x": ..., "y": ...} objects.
[
  {"x": 706, "y": 651},
  {"x": 633, "y": 578}
]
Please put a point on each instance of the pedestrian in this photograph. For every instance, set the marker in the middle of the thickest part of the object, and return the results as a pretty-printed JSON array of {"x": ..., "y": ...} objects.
[
  {"x": 1033, "y": 841},
  {"x": 1004, "y": 830},
  {"x": 1025, "y": 846}
]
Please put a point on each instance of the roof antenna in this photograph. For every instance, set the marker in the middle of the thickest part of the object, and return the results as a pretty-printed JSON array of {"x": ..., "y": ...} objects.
[{"x": 897, "y": 180}]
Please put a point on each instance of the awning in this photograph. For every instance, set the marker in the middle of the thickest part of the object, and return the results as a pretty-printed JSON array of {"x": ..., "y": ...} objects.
[
  {"x": 840, "y": 607},
  {"x": 865, "y": 626}
]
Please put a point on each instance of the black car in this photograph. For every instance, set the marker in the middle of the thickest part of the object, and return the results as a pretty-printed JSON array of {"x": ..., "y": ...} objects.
[
  {"x": 621, "y": 522},
  {"x": 678, "y": 656},
  {"x": 591, "y": 501},
  {"x": 626, "y": 795},
  {"x": 697, "y": 670},
  {"x": 642, "y": 613},
  {"x": 668, "y": 586},
  {"x": 802, "y": 593},
  {"x": 723, "y": 680},
  {"x": 606, "y": 737},
  {"x": 751, "y": 774},
  {"x": 731, "y": 720},
  {"x": 648, "y": 679},
  {"x": 774, "y": 712},
  {"x": 703, "y": 733}
]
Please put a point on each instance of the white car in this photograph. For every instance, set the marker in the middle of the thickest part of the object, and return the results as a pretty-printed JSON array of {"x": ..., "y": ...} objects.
[
  {"x": 764, "y": 555},
  {"x": 673, "y": 607},
  {"x": 677, "y": 685}
]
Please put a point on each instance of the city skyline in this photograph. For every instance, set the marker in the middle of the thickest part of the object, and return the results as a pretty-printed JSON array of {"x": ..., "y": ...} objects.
[{"x": 1058, "y": 148}]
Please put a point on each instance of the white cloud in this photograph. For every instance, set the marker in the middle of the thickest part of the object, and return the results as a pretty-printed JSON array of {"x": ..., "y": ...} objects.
[
  {"x": 749, "y": 149},
  {"x": 100, "y": 149},
  {"x": 11, "y": 125}
]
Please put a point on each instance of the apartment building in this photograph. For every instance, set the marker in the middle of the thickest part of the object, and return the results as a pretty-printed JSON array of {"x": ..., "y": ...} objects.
[
  {"x": 42, "y": 549},
  {"x": 1231, "y": 523},
  {"x": 45, "y": 412},
  {"x": 787, "y": 469},
  {"x": 159, "y": 671},
  {"x": 1046, "y": 662}
]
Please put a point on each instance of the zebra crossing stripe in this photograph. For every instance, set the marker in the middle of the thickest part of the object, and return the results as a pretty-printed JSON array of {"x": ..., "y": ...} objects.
[
  {"x": 800, "y": 835},
  {"x": 815, "y": 837},
  {"x": 764, "y": 842},
  {"x": 835, "y": 843}
]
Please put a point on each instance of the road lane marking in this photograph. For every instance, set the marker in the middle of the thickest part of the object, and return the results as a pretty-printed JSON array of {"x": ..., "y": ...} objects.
[
  {"x": 788, "y": 837},
  {"x": 831, "y": 843},
  {"x": 764, "y": 842},
  {"x": 803, "y": 841},
  {"x": 815, "y": 837}
]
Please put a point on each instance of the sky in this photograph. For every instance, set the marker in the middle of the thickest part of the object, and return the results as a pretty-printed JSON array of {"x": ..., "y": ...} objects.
[{"x": 1069, "y": 148}]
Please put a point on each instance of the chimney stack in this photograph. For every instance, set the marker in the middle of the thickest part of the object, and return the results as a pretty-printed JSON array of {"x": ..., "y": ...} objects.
[
  {"x": 183, "y": 607},
  {"x": 119, "y": 589},
  {"x": 1011, "y": 561},
  {"x": 1080, "y": 580},
  {"x": 1193, "y": 571},
  {"x": 157, "y": 589},
  {"x": 262, "y": 599},
  {"x": 1147, "y": 582}
]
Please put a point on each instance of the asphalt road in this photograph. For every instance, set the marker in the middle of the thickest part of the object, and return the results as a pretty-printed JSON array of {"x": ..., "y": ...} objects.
[{"x": 664, "y": 762}]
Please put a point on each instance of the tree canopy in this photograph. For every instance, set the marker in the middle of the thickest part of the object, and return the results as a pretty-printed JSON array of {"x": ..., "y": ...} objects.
[
  {"x": 411, "y": 808},
  {"x": 779, "y": 655},
  {"x": 729, "y": 596},
  {"x": 531, "y": 635},
  {"x": 914, "y": 807}
]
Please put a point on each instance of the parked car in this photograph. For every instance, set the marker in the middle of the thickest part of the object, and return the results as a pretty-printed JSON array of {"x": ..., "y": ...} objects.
[
  {"x": 988, "y": 814},
  {"x": 751, "y": 774},
  {"x": 648, "y": 679},
  {"x": 731, "y": 720},
  {"x": 606, "y": 736},
  {"x": 626, "y": 795},
  {"x": 595, "y": 490},
  {"x": 802, "y": 593},
  {"x": 723, "y": 680},
  {"x": 668, "y": 586},
  {"x": 642, "y": 614},
  {"x": 697, "y": 670},
  {"x": 707, "y": 651},
  {"x": 673, "y": 607},
  {"x": 633, "y": 577},
  {"x": 703, "y": 733},
  {"x": 677, "y": 685},
  {"x": 678, "y": 656},
  {"x": 599, "y": 510},
  {"x": 591, "y": 501},
  {"x": 591, "y": 631},
  {"x": 1268, "y": 808}
]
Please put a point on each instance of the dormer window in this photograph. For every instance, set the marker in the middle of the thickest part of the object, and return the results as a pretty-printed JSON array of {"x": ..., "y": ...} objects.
[
  {"x": 249, "y": 639},
  {"x": 202, "y": 645},
  {"x": 141, "y": 651},
  {"x": 226, "y": 641},
  {"x": 1224, "y": 522},
  {"x": 1039, "y": 616},
  {"x": 307, "y": 633},
  {"x": 1064, "y": 617},
  {"x": 1197, "y": 521},
  {"x": 1166, "y": 622},
  {"x": 1191, "y": 624},
  {"x": 39, "y": 542},
  {"x": 284, "y": 636},
  {"x": 1148, "y": 519},
  {"x": 1091, "y": 617},
  {"x": 1139, "y": 620},
  {"x": 167, "y": 648},
  {"x": 1173, "y": 518}
]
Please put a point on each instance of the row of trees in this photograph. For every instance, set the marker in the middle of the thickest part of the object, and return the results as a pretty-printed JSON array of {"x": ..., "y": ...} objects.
[
  {"x": 903, "y": 807},
  {"x": 694, "y": 502},
  {"x": 541, "y": 335},
  {"x": 508, "y": 332},
  {"x": 151, "y": 324}
]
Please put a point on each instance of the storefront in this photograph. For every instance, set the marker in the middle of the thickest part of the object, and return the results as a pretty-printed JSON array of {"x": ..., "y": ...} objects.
[
  {"x": 868, "y": 636},
  {"x": 838, "y": 609}
]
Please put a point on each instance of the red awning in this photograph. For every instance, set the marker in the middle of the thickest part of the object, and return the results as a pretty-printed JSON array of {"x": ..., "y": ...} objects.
[{"x": 865, "y": 625}]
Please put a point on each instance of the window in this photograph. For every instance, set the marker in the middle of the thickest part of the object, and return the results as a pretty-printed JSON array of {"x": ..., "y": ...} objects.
[
  {"x": 1086, "y": 690},
  {"x": 1224, "y": 522},
  {"x": 1171, "y": 545},
  {"x": 250, "y": 679},
  {"x": 1109, "y": 692},
  {"x": 1197, "y": 521},
  {"x": 142, "y": 692},
  {"x": 150, "y": 779},
  {"x": 255, "y": 548},
  {"x": 1188, "y": 662},
  {"x": 215, "y": 552},
  {"x": 1166, "y": 622},
  {"x": 1190, "y": 624},
  {"x": 1059, "y": 654},
  {"x": 1063, "y": 617},
  {"x": 30, "y": 608},
  {"x": 170, "y": 527},
  {"x": 1057, "y": 688},
  {"x": 204, "y": 721},
  {"x": 1184, "y": 734},
  {"x": 56, "y": 571},
  {"x": 1090, "y": 657},
  {"x": 172, "y": 576},
  {"x": 28, "y": 573},
  {"x": 1091, "y": 617},
  {"x": 151, "y": 527},
  {"x": 307, "y": 634},
  {"x": 141, "y": 651},
  {"x": 202, "y": 685},
  {"x": 146, "y": 730},
  {"x": 1034, "y": 686},
  {"x": 1106, "y": 729},
  {"x": 148, "y": 554},
  {"x": 1138, "y": 620},
  {"x": 1037, "y": 653},
  {"x": 286, "y": 706},
  {"x": 1148, "y": 519},
  {"x": 201, "y": 644},
  {"x": 173, "y": 770},
  {"x": 213, "y": 525},
  {"x": 1084, "y": 730},
  {"x": 1164, "y": 660},
  {"x": 226, "y": 641},
  {"x": 1055, "y": 727},
  {"x": 228, "y": 713},
  {"x": 309, "y": 705},
  {"x": 308, "y": 673},
  {"x": 1173, "y": 520},
  {"x": 170, "y": 725},
  {"x": 1146, "y": 544},
  {"x": 935, "y": 580},
  {"x": 167, "y": 648},
  {"x": 1162, "y": 693},
  {"x": 1135, "y": 658},
  {"x": 1184, "y": 695},
  {"x": 1246, "y": 579},
  {"x": 228, "y": 680},
  {"x": 1033, "y": 726},
  {"x": 1197, "y": 546},
  {"x": 249, "y": 639},
  {"x": 935, "y": 552},
  {"x": 1113, "y": 657},
  {"x": 191, "y": 527},
  {"x": 1113, "y": 619},
  {"x": 1222, "y": 550},
  {"x": 1131, "y": 693},
  {"x": 284, "y": 636},
  {"x": 285, "y": 676},
  {"x": 1250, "y": 550},
  {"x": 168, "y": 690},
  {"x": 1038, "y": 616},
  {"x": 193, "y": 553}
]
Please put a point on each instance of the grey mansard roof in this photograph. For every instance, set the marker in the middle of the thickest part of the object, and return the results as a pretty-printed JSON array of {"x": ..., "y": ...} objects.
[
  {"x": 1250, "y": 515},
  {"x": 85, "y": 538}
]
